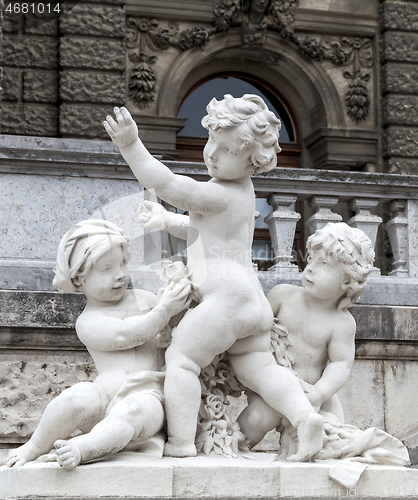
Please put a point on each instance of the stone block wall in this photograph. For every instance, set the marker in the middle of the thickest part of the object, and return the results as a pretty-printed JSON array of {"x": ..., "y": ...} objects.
[
  {"x": 61, "y": 77},
  {"x": 92, "y": 57},
  {"x": 30, "y": 76},
  {"x": 399, "y": 85}
]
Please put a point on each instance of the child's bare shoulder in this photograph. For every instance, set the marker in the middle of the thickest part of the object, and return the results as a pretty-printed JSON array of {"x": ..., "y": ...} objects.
[{"x": 280, "y": 292}]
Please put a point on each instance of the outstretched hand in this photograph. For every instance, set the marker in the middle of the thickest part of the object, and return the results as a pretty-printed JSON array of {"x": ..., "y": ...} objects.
[
  {"x": 151, "y": 215},
  {"x": 123, "y": 131},
  {"x": 176, "y": 296}
]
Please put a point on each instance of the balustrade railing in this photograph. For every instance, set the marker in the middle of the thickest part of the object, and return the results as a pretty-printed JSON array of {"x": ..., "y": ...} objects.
[{"x": 359, "y": 197}]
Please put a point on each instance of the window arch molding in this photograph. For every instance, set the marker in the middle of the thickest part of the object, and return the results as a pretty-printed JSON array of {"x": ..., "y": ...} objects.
[{"x": 303, "y": 83}]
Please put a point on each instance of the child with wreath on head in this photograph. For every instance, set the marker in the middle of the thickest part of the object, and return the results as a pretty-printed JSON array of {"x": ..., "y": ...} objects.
[
  {"x": 233, "y": 313},
  {"x": 123, "y": 407},
  {"x": 320, "y": 328}
]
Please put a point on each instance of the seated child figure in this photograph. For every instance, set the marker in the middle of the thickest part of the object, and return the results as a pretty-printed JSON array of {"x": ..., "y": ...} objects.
[
  {"x": 119, "y": 327},
  {"x": 233, "y": 313},
  {"x": 321, "y": 329}
]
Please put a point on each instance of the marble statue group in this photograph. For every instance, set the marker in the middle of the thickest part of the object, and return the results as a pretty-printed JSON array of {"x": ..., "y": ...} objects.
[{"x": 291, "y": 352}]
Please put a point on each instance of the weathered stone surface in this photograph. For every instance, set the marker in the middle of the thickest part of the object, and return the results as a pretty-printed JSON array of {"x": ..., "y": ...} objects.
[
  {"x": 400, "y": 47},
  {"x": 362, "y": 397},
  {"x": 93, "y": 87},
  {"x": 400, "y": 110},
  {"x": 401, "y": 142},
  {"x": 92, "y": 53},
  {"x": 401, "y": 397},
  {"x": 10, "y": 85},
  {"x": 28, "y": 386},
  {"x": 40, "y": 309},
  {"x": 400, "y": 78},
  {"x": 40, "y": 87},
  {"x": 29, "y": 120},
  {"x": 83, "y": 121},
  {"x": 48, "y": 206},
  {"x": 94, "y": 20},
  {"x": 399, "y": 16},
  {"x": 30, "y": 51},
  {"x": 41, "y": 24},
  {"x": 385, "y": 322},
  {"x": 396, "y": 166}
]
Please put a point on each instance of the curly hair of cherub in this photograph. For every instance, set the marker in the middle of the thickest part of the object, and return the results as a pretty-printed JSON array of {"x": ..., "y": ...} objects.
[
  {"x": 80, "y": 248},
  {"x": 352, "y": 249},
  {"x": 258, "y": 127}
]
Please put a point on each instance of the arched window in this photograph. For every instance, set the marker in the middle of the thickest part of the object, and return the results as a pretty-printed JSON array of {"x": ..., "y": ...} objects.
[{"x": 192, "y": 138}]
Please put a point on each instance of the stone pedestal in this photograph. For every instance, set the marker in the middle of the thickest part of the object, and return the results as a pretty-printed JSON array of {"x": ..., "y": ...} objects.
[{"x": 135, "y": 476}]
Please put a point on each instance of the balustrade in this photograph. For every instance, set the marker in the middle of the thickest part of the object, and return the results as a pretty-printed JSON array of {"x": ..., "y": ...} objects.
[{"x": 361, "y": 195}]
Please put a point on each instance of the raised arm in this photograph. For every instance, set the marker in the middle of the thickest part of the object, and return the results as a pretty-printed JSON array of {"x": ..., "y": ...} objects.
[
  {"x": 341, "y": 351},
  {"x": 178, "y": 190},
  {"x": 101, "y": 332}
]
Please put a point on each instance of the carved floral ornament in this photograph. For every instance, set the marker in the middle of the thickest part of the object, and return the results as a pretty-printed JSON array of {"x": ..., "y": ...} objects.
[{"x": 255, "y": 17}]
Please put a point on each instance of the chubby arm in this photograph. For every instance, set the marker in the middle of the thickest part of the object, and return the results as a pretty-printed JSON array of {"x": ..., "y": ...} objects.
[
  {"x": 102, "y": 332},
  {"x": 178, "y": 190},
  {"x": 152, "y": 215},
  {"x": 341, "y": 351}
]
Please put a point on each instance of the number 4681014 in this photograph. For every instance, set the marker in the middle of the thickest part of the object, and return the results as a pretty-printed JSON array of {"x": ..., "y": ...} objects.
[{"x": 33, "y": 8}]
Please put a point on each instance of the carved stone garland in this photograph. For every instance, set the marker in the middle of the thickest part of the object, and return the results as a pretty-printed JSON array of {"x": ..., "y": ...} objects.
[{"x": 253, "y": 16}]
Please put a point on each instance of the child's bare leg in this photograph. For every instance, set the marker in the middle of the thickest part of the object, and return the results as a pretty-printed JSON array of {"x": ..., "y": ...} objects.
[
  {"x": 281, "y": 390},
  {"x": 79, "y": 406},
  {"x": 136, "y": 416},
  {"x": 203, "y": 333},
  {"x": 257, "y": 418}
]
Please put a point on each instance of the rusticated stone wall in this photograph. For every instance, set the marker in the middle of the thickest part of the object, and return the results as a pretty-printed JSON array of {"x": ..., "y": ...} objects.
[
  {"x": 30, "y": 76},
  {"x": 92, "y": 56},
  {"x": 61, "y": 77},
  {"x": 399, "y": 83}
]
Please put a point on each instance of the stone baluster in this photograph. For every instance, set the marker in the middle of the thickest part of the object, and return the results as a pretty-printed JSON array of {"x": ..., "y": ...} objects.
[
  {"x": 323, "y": 214},
  {"x": 282, "y": 226},
  {"x": 365, "y": 220},
  {"x": 397, "y": 228}
]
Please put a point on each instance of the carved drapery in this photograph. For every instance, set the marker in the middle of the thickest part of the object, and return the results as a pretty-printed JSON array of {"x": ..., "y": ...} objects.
[{"x": 254, "y": 17}]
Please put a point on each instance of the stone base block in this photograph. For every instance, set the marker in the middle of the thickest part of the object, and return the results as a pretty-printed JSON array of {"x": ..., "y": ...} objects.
[{"x": 135, "y": 476}]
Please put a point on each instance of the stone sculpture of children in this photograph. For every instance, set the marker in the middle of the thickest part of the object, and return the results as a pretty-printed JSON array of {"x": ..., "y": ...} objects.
[
  {"x": 124, "y": 404},
  {"x": 321, "y": 329},
  {"x": 233, "y": 313}
]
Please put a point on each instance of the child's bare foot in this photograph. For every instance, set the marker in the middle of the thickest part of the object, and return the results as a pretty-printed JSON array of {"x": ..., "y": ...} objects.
[
  {"x": 310, "y": 435},
  {"x": 68, "y": 454},
  {"x": 25, "y": 453},
  {"x": 171, "y": 450}
]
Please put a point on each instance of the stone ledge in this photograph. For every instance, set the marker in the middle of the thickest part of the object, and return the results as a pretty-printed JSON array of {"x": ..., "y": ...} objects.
[{"x": 135, "y": 476}]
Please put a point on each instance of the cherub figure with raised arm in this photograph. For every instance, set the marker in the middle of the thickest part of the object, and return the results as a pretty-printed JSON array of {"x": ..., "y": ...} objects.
[
  {"x": 233, "y": 313},
  {"x": 123, "y": 407},
  {"x": 321, "y": 329}
]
